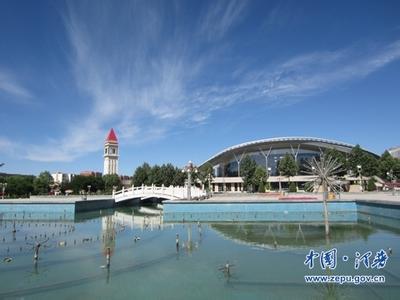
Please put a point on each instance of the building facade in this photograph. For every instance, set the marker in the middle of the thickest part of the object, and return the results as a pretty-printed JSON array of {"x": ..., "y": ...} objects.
[
  {"x": 267, "y": 153},
  {"x": 395, "y": 152},
  {"x": 111, "y": 154},
  {"x": 60, "y": 177}
]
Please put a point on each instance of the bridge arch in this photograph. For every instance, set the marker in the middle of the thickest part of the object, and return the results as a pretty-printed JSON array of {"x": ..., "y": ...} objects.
[{"x": 169, "y": 193}]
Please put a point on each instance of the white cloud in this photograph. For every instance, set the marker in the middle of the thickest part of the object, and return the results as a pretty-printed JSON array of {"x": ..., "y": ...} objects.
[
  {"x": 144, "y": 78},
  {"x": 221, "y": 17},
  {"x": 5, "y": 144},
  {"x": 10, "y": 85}
]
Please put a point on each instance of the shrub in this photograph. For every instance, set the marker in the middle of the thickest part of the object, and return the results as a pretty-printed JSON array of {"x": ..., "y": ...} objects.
[
  {"x": 292, "y": 187},
  {"x": 371, "y": 185}
]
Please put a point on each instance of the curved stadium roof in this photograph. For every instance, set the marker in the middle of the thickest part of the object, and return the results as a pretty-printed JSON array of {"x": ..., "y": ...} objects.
[{"x": 310, "y": 143}]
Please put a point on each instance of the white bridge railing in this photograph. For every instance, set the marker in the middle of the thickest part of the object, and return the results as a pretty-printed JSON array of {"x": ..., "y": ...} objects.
[{"x": 171, "y": 192}]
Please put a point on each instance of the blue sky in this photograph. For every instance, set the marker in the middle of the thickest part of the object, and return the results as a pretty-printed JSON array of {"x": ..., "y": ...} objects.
[{"x": 182, "y": 80}]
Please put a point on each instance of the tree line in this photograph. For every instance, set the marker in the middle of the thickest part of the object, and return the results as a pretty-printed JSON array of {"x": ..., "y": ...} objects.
[
  {"x": 43, "y": 184},
  {"x": 168, "y": 174},
  {"x": 386, "y": 167},
  {"x": 25, "y": 185}
]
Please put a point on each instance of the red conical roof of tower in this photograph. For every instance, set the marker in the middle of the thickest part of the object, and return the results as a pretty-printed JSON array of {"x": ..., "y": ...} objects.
[{"x": 111, "y": 136}]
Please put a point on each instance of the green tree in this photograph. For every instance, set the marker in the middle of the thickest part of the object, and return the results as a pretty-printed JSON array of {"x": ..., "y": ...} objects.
[
  {"x": 368, "y": 163},
  {"x": 179, "y": 177},
  {"x": 389, "y": 164},
  {"x": 260, "y": 179},
  {"x": 111, "y": 180},
  {"x": 206, "y": 175},
  {"x": 156, "y": 176},
  {"x": 81, "y": 184},
  {"x": 97, "y": 184},
  {"x": 41, "y": 184},
  {"x": 287, "y": 166},
  {"x": 247, "y": 169},
  {"x": 142, "y": 175},
  {"x": 340, "y": 157},
  {"x": 19, "y": 186},
  {"x": 292, "y": 187},
  {"x": 167, "y": 174},
  {"x": 371, "y": 185},
  {"x": 355, "y": 159}
]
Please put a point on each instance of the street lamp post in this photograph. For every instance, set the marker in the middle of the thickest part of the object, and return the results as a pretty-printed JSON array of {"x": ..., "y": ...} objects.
[
  {"x": 360, "y": 175},
  {"x": 209, "y": 184},
  {"x": 391, "y": 176},
  {"x": 189, "y": 169},
  {"x": 277, "y": 160},
  {"x": 268, "y": 172},
  {"x": 280, "y": 174},
  {"x": 280, "y": 183},
  {"x": 89, "y": 187},
  {"x": 3, "y": 188}
]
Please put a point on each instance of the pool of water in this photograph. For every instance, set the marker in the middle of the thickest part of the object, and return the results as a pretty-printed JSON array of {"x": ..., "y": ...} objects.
[{"x": 267, "y": 259}]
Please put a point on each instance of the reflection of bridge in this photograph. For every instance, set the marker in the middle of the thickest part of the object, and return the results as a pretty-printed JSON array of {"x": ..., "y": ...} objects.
[
  {"x": 138, "y": 221},
  {"x": 169, "y": 193}
]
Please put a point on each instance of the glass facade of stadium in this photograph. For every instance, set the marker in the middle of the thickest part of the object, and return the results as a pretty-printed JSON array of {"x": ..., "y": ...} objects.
[{"x": 267, "y": 153}]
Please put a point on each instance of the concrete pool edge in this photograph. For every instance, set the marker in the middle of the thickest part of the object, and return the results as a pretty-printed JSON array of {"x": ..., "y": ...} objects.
[
  {"x": 46, "y": 208},
  {"x": 344, "y": 210},
  {"x": 277, "y": 211}
]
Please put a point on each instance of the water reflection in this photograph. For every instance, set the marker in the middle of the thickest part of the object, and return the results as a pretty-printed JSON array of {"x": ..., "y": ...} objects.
[
  {"x": 289, "y": 235},
  {"x": 190, "y": 244},
  {"x": 108, "y": 241},
  {"x": 75, "y": 251}
]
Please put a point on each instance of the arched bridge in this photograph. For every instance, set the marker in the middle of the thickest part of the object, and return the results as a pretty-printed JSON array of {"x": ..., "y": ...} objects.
[{"x": 169, "y": 193}]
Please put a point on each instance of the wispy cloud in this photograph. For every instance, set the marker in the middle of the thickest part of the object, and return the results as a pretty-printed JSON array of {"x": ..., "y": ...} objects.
[
  {"x": 11, "y": 86},
  {"x": 80, "y": 139},
  {"x": 221, "y": 17},
  {"x": 5, "y": 144},
  {"x": 313, "y": 73},
  {"x": 144, "y": 77},
  {"x": 10, "y": 147},
  {"x": 298, "y": 77},
  {"x": 281, "y": 14},
  {"x": 131, "y": 88}
]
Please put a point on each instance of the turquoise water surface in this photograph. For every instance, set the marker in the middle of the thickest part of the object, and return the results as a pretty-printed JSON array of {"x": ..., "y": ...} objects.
[{"x": 267, "y": 259}]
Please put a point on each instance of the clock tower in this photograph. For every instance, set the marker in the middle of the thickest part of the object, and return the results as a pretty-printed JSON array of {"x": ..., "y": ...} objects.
[{"x": 111, "y": 154}]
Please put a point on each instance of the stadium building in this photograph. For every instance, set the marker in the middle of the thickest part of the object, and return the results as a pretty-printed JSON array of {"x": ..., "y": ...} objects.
[
  {"x": 267, "y": 153},
  {"x": 395, "y": 152}
]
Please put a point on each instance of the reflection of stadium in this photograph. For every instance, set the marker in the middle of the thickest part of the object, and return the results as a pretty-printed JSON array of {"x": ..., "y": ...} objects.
[
  {"x": 272, "y": 235},
  {"x": 267, "y": 154}
]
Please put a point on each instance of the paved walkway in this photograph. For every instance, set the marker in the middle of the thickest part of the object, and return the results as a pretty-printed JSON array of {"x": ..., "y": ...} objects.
[{"x": 385, "y": 197}]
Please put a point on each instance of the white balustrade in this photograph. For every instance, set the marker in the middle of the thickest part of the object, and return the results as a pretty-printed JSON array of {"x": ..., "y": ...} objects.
[{"x": 171, "y": 192}]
